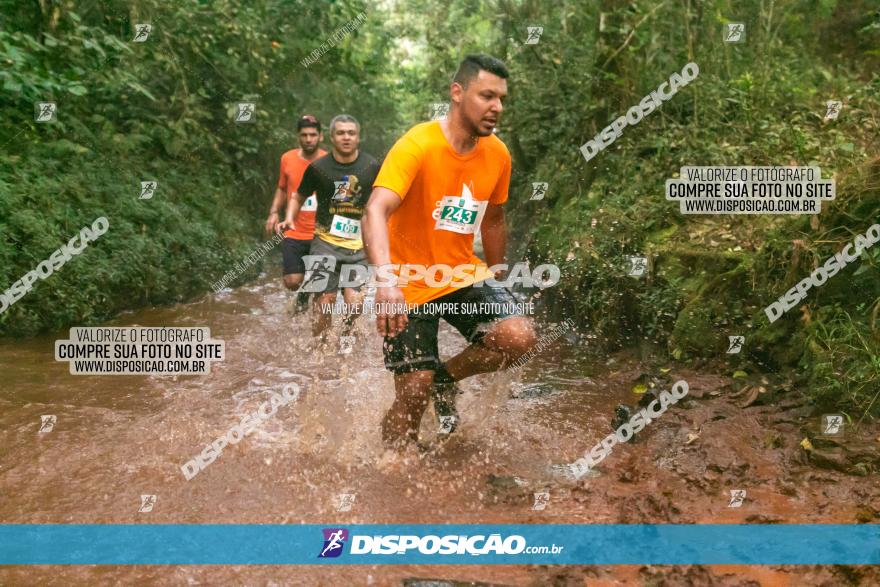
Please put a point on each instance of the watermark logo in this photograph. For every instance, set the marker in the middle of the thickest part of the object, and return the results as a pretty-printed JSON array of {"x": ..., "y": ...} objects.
[
  {"x": 635, "y": 114},
  {"x": 334, "y": 541},
  {"x": 333, "y": 39},
  {"x": 447, "y": 424},
  {"x": 737, "y": 497},
  {"x": 245, "y": 112},
  {"x": 750, "y": 190},
  {"x": 534, "y": 34},
  {"x": 541, "y": 500},
  {"x": 248, "y": 424},
  {"x": 175, "y": 350},
  {"x": 832, "y": 424},
  {"x": 735, "y": 344},
  {"x": 545, "y": 341},
  {"x": 637, "y": 266},
  {"x": 147, "y": 503},
  {"x": 346, "y": 344},
  {"x": 55, "y": 261},
  {"x": 45, "y": 112},
  {"x": 539, "y": 190},
  {"x": 441, "y": 545},
  {"x": 438, "y": 110},
  {"x": 47, "y": 423},
  {"x": 627, "y": 430},
  {"x": 242, "y": 265},
  {"x": 344, "y": 501},
  {"x": 148, "y": 188},
  {"x": 321, "y": 268},
  {"x": 832, "y": 109},
  {"x": 341, "y": 190},
  {"x": 734, "y": 32},
  {"x": 142, "y": 32},
  {"x": 438, "y": 275},
  {"x": 823, "y": 273}
]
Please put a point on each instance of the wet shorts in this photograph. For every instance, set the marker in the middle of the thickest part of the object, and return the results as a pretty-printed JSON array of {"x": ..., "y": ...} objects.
[
  {"x": 292, "y": 252},
  {"x": 472, "y": 311},
  {"x": 326, "y": 269}
]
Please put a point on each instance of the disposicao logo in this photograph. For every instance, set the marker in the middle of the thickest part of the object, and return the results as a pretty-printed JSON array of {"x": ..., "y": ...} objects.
[
  {"x": 404, "y": 544},
  {"x": 334, "y": 541}
]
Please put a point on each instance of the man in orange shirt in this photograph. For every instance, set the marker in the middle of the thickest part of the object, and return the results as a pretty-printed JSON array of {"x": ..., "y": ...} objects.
[
  {"x": 441, "y": 183},
  {"x": 298, "y": 239}
]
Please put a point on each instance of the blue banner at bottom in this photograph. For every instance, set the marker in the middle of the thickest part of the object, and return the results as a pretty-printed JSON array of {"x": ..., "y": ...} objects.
[{"x": 663, "y": 544}]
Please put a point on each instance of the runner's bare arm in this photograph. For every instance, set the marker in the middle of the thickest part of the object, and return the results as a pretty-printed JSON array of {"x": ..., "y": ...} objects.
[
  {"x": 390, "y": 320},
  {"x": 382, "y": 204},
  {"x": 293, "y": 206},
  {"x": 274, "y": 211},
  {"x": 494, "y": 233}
]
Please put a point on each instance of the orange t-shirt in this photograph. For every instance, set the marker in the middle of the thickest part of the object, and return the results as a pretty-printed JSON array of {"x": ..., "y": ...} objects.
[
  {"x": 292, "y": 168},
  {"x": 445, "y": 196}
]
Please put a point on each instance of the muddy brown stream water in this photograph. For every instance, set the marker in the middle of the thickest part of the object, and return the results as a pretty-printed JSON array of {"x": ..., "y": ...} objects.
[{"x": 119, "y": 437}]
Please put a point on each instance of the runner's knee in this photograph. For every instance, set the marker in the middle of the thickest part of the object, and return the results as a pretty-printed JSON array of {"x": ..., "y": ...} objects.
[
  {"x": 293, "y": 280},
  {"x": 326, "y": 298},
  {"x": 414, "y": 380},
  {"x": 413, "y": 386},
  {"x": 514, "y": 336}
]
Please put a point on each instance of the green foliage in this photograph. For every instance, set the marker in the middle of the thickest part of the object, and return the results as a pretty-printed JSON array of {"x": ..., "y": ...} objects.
[
  {"x": 161, "y": 110},
  {"x": 761, "y": 102},
  {"x": 842, "y": 360}
]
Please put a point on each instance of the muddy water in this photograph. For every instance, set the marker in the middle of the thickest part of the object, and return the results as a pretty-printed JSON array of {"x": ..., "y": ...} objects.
[{"x": 119, "y": 437}]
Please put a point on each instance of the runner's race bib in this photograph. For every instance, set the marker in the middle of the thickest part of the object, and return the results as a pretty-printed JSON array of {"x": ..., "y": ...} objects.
[
  {"x": 345, "y": 227},
  {"x": 462, "y": 215}
]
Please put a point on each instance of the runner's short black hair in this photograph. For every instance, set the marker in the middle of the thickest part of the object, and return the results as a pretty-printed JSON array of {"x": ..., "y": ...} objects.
[
  {"x": 307, "y": 121},
  {"x": 472, "y": 64}
]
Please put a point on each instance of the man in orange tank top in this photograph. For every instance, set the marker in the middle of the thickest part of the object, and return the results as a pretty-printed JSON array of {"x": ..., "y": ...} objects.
[{"x": 297, "y": 240}]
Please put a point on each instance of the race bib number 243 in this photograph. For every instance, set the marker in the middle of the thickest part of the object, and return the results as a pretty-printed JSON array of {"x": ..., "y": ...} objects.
[{"x": 462, "y": 215}]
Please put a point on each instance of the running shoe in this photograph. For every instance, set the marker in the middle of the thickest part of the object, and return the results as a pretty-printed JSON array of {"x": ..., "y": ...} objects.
[{"x": 299, "y": 303}]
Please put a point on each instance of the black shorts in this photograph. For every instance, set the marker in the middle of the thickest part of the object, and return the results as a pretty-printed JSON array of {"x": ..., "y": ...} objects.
[
  {"x": 475, "y": 309},
  {"x": 292, "y": 252}
]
